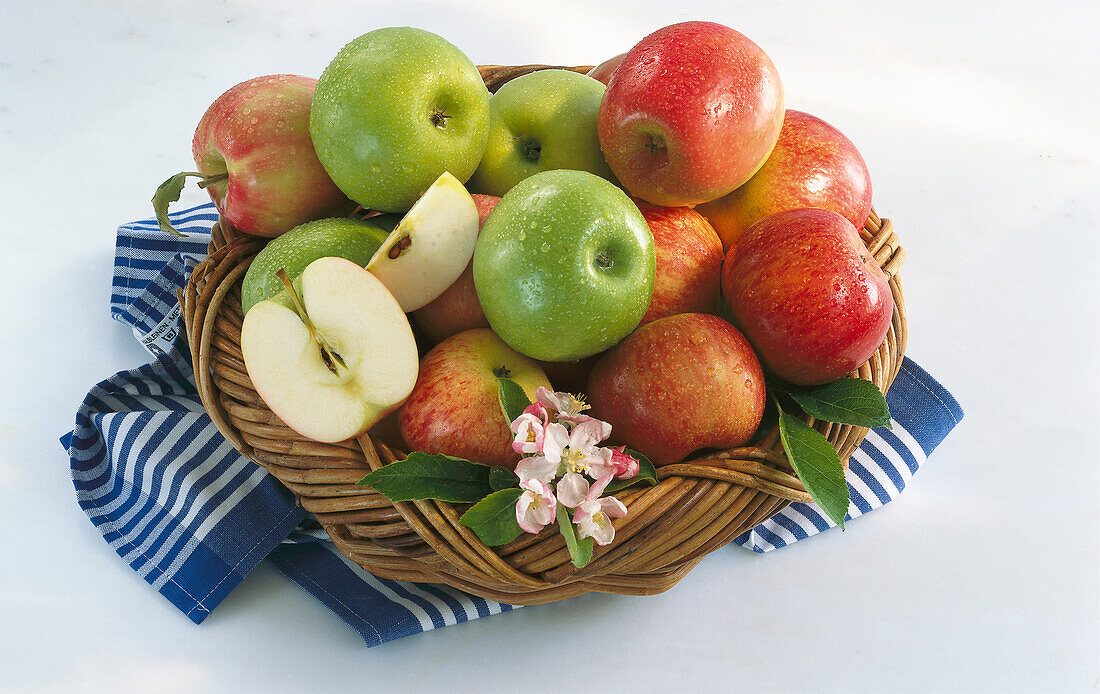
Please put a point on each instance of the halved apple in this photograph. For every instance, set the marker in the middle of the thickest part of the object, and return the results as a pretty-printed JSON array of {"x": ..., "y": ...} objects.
[
  {"x": 430, "y": 247},
  {"x": 339, "y": 359}
]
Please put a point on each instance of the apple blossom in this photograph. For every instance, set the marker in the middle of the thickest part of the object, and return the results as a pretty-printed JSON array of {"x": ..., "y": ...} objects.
[
  {"x": 625, "y": 465},
  {"x": 569, "y": 407},
  {"x": 537, "y": 468},
  {"x": 536, "y": 507},
  {"x": 572, "y": 489},
  {"x": 528, "y": 429},
  {"x": 593, "y": 515}
]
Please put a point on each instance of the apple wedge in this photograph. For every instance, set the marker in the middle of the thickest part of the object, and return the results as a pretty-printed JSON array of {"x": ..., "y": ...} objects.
[
  {"x": 431, "y": 245},
  {"x": 339, "y": 359}
]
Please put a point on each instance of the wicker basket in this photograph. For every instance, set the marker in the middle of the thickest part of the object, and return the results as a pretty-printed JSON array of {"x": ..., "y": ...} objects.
[{"x": 698, "y": 506}]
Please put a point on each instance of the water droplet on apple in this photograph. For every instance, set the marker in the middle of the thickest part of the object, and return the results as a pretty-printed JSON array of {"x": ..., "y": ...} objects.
[
  {"x": 254, "y": 120},
  {"x": 544, "y": 247}
]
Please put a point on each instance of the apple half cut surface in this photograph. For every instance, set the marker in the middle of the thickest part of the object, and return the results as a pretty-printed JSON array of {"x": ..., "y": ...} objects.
[
  {"x": 430, "y": 246},
  {"x": 332, "y": 355}
]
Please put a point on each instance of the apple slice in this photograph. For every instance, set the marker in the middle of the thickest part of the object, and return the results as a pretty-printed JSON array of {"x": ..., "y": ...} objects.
[
  {"x": 338, "y": 361},
  {"x": 430, "y": 247}
]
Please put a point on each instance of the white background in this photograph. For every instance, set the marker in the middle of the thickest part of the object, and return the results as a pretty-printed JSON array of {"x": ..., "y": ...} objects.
[{"x": 979, "y": 124}]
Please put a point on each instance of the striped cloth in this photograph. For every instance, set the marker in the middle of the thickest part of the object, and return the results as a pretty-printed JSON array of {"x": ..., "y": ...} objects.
[{"x": 193, "y": 517}]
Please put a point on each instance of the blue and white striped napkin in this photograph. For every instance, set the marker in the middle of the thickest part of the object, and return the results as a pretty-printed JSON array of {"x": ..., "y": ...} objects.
[{"x": 193, "y": 517}]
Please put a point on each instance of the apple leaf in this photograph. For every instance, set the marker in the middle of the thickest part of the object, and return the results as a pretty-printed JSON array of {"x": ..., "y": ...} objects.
[
  {"x": 168, "y": 193},
  {"x": 513, "y": 401},
  {"x": 432, "y": 476},
  {"x": 816, "y": 463},
  {"x": 502, "y": 478},
  {"x": 647, "y": 474},
  {"x": 493, "y": 518},
  {"x": 580, "y": 551},
  {"x": 847, "y": 401}
]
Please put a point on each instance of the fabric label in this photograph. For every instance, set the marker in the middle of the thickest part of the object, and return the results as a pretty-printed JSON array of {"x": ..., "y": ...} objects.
[{"x": 163, "y": 336}]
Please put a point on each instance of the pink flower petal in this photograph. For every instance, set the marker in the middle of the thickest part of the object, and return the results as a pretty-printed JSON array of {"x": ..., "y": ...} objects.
[
  {"x": 555, "y": 439},
  {"x": 572, "y": 489},
  {"x": 538, "y": 410},
  {"x": 588, "y": 433},
  {"x": 536, "y": 468},
  {"x": 612, "y": 507}
]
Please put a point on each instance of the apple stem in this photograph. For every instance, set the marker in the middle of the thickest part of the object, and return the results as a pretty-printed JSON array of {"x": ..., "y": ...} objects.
[
  {"x": 655, "y": 143},
  {"x": 531, "y": 148},
  {"x": 328, "y": 355},
  {"x": 439, "y": 118},
  {"x": 212, "y": 179}
]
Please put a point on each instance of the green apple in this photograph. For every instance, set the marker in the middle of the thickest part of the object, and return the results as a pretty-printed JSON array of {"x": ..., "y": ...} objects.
[
  {"x": 542, "y": 121},
  {"x": 564, "y": 267},
  {"x": 430, "y": 247},
  {"x": 339, "y": 359},
  {"x": 342, "y": 237},
  {"x": 395, "y": 109}
]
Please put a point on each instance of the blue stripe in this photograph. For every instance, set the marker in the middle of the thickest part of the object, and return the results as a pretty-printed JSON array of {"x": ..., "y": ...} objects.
[
  {"x": 433, "y": 612},
  {"x": 865, "y": 475},
  {"x": 787, "y": 522},
  {"x": 772, "y": 539},
  {"x": 883, "y": 463},
  {"x": 891, "y": 439},
  {"x": 811, "y": 514}
]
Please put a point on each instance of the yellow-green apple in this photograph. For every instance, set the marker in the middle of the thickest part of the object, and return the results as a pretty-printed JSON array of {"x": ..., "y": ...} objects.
[
  {"x": 689, "y": 262},
  {"x": 564, "y": 267},
  {"x": 253, "y": 151},
  {"x": 457, "y": 308},
  {"x": 808, "y": 295},
  {"x": 455, "y": 408},
  {"x": 343, "y": 237},
  {"x": 604, "y": 70},
  {"x": 691, "y": 113},
  {"x": 430, "y": 246},
  {"x": 813, "y": 165},
  {"x": 541, "y": 121},
  {"x": 395, "y": 109},
  {"x": 339, "y": 359},
  {"x": 678, "y": 384}
]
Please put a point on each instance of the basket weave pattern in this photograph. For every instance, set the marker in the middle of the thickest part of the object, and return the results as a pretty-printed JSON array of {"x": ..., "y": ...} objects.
[{"x": 698, "y": 506}]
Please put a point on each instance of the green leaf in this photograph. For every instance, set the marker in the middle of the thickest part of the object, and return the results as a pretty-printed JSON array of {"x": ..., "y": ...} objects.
[
  {"x": 647, "y": 474},
  {"x": 816, "y": 463},
  {"x": 513, "y": 401},
  {"x": 502, "y": 478},
  {"x": 493, "y": 518},
  {"x": 847, "y": 401},
  {"x": 168, "y": 193},
  {"x": 431, "y": 476},
  {"x": 580, "y": 551}
]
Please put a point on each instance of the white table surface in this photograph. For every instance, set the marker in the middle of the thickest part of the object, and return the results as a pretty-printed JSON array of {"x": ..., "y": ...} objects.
[{"x": 979, "y": 124}]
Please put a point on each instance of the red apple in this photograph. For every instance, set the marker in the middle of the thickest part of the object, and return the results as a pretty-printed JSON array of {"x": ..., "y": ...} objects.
[
  {"x": 690, "y": 114},
  {"x": 808, "y": 295},
  {"x": 679, "y": 384},
  {"x": 812, "y": 165},
  {"x": 457, "y": 308},
  {"x": 253, "y": 145},
  {"x": 455, "y": 408},
  {"x": 689, "y": 262},
  {"x": 604, "y": 70}
]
